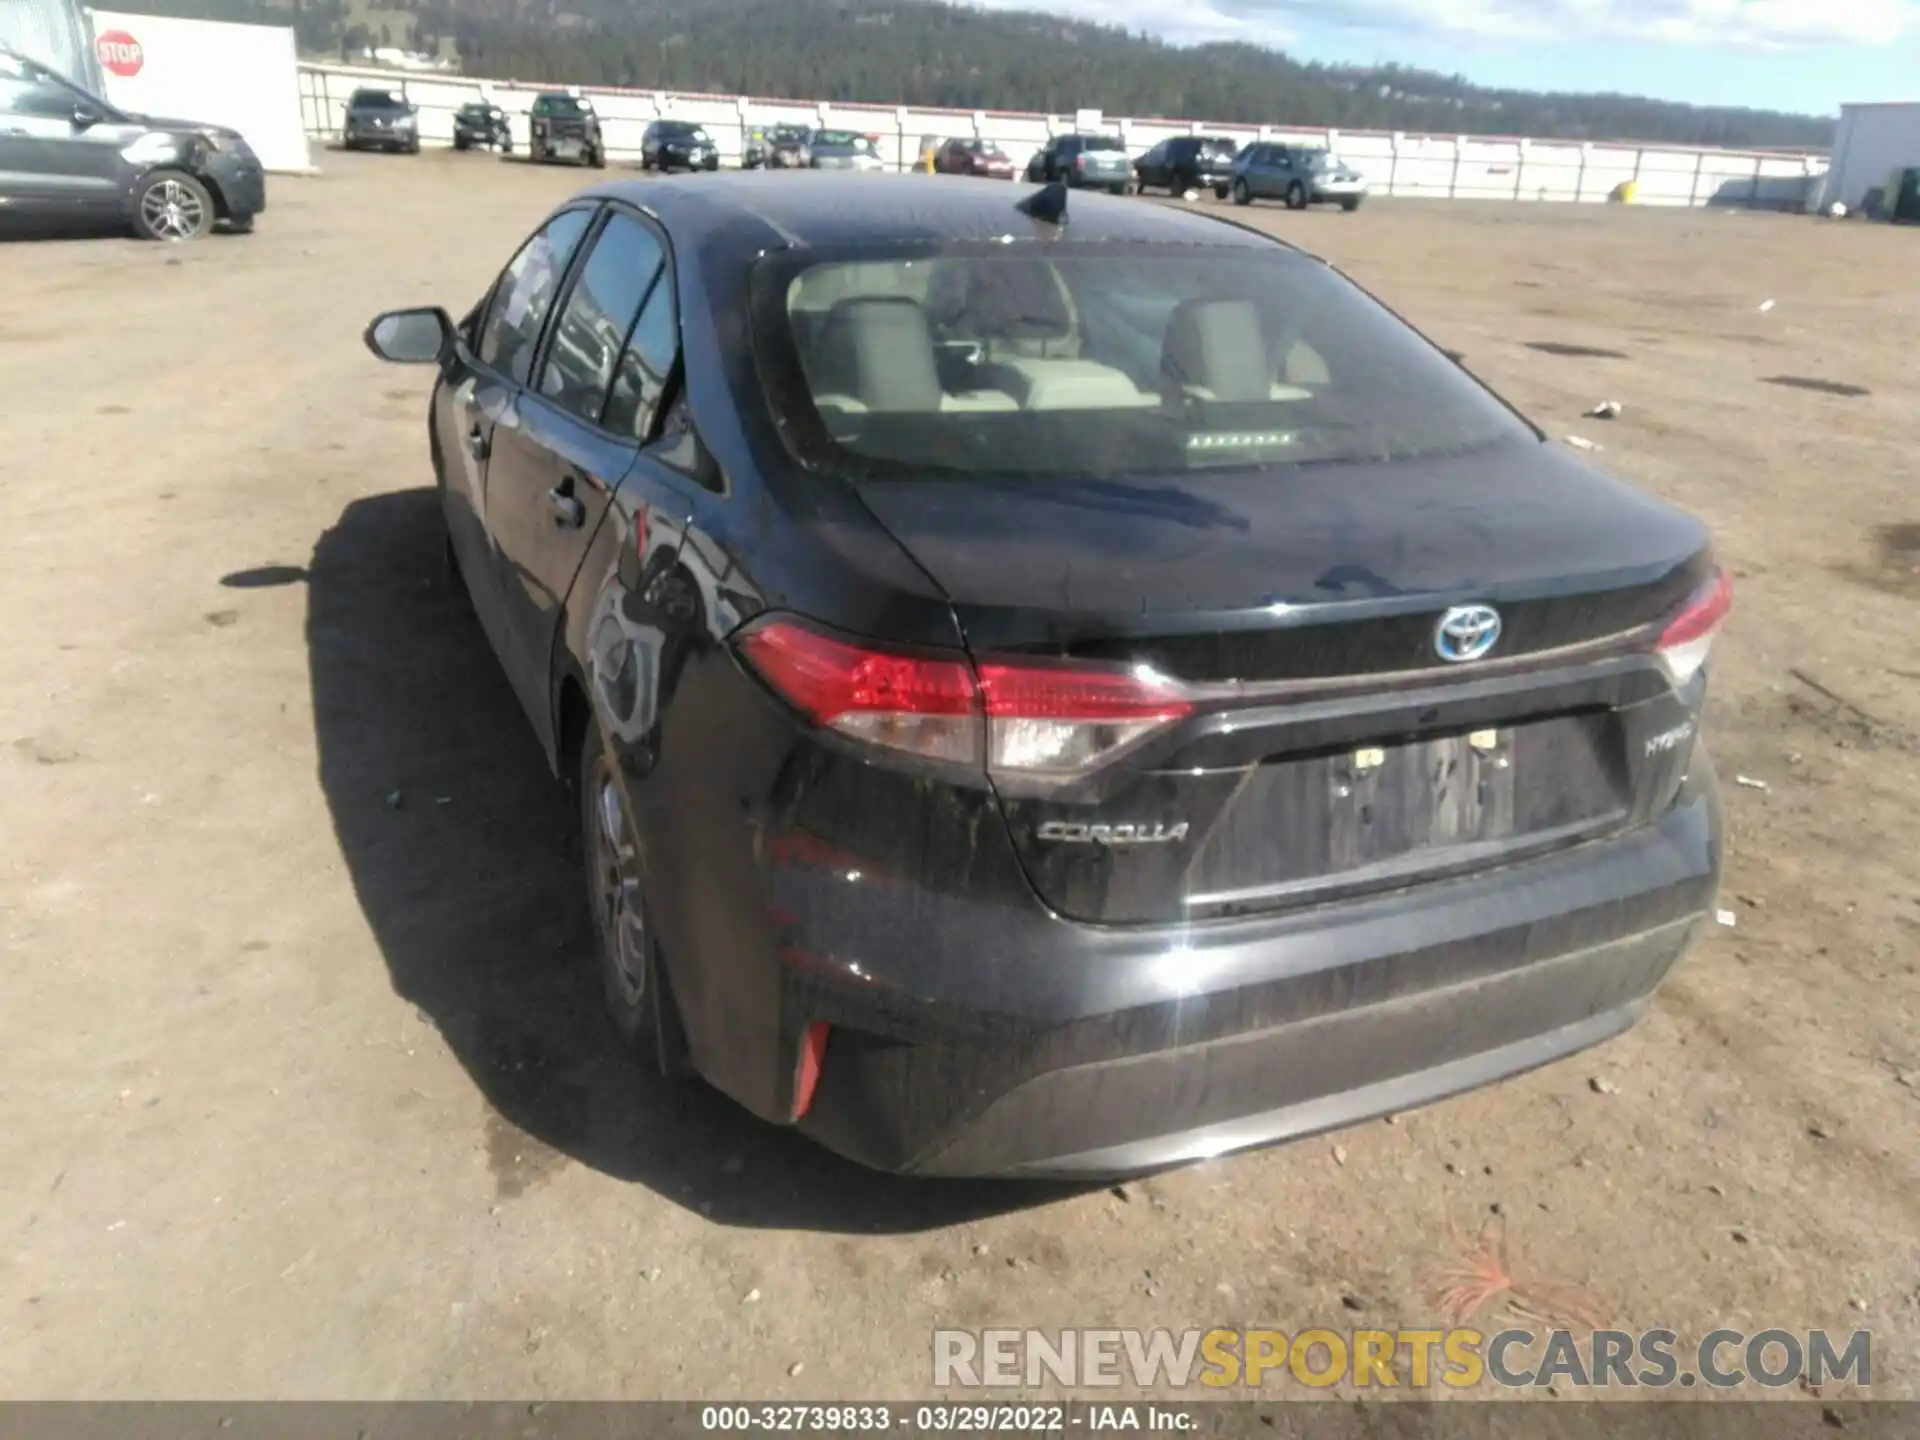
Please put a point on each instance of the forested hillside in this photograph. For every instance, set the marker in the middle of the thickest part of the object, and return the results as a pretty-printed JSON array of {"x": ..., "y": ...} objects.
[{"x": 921, "y": 52}]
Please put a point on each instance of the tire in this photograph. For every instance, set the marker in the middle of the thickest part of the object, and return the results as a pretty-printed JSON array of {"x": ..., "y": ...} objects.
[
  {"x": 1242, "y": 192},
  {"x": 1120, "y": 189},
  {"x": 1350, "y": 204},
  {"x": 626, "y": 953},
  {"x": 171, "y": 205},
  {"x": 413, "y": 146},
  {"x": 1296, "y": 196},
  {"x": 462, "y": 143},
  {"x": 1221, "y": 192}
]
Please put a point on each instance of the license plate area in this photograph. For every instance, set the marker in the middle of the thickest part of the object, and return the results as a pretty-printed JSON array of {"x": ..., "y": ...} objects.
[
  {"x": 1385, "y": 801},
  {"x": 1304, "y": 826}
]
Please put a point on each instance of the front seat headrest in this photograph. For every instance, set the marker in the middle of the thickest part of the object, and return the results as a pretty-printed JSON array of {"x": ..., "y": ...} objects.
[
  {"x": 879, "y": 351},
  {"x": 1216, "y": 347}
]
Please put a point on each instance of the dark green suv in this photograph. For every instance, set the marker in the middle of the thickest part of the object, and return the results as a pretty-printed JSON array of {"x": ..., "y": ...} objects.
[{"x": 564, "y": 127}]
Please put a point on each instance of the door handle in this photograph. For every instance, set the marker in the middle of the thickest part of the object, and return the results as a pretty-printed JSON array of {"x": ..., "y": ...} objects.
[
  {"x": 568, "y": 513},
  {"x": 477, "y": 445}
]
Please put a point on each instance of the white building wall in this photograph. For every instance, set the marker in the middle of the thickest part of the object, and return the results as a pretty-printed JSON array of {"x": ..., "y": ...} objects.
[
  {"x": 1438, "y": 166},
  {"x": 1874, "y": 141}
]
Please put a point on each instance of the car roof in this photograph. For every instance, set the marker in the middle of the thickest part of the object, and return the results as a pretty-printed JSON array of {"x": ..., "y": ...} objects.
[{"x": 833, "y": 208}]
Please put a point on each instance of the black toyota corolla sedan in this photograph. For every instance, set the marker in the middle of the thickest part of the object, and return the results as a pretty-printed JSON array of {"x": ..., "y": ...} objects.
[{"x": 1071, "y": 696}]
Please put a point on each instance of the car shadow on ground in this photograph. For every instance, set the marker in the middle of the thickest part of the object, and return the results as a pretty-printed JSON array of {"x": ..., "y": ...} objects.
[{"x": 462, "y": 850}]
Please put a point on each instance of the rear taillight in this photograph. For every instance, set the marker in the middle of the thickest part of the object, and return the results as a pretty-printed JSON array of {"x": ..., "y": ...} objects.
[
  {"x": 1688, "y": 638},
  {"x": 1017, "y": 719},
  {"x": 926, "y": 707},
  {"x": 1062, "y": 721}
]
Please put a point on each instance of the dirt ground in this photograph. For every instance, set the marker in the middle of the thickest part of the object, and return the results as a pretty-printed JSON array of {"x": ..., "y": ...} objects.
[{"x": 305, "y": 1095}]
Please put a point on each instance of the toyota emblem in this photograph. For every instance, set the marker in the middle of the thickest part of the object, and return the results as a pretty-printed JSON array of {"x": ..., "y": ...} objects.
[{"x": 1466, "y": 632}]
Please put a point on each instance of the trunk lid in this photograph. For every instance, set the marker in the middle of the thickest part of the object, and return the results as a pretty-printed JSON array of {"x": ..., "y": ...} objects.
[{"x": 1332, "y": 748}]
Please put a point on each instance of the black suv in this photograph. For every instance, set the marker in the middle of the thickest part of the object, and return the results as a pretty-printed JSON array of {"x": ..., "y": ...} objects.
[
  {"x": 478, "y": 123},
  {"x": 672, "y": 145},
  {"x": 67, "y": 155},
  {"x": 1186, "y": 163},
  {"x": 380, "y": 120},
  {"x": 564, "y": 127},
  {"x": 1097, "y": 161}
]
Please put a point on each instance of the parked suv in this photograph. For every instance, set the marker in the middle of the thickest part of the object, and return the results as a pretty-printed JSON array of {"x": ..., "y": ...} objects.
[
  {"x": 672, "y": 145},
  {"x": 1301, "y": 175},
  {"x": 842, "y": 150},
  {"x": 1188, "y": 162},
  {"x": 380, "y": 120},
  {"x": 66, "y": 154},
  {"x": 564, "y": 127},
  {"x": 479, "y": 123},
  {"x": 779, "y": 147},
  {"x": 1098, "y": 161}
]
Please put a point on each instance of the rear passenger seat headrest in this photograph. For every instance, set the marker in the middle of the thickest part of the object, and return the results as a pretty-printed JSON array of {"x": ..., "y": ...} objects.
[
  {"x": 1217, "y": 346},
  {"x": 1000, "y": 300},
  {"x": 879, "y": 351}
]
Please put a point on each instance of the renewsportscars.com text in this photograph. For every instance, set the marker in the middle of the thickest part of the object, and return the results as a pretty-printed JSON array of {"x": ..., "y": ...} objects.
[{"x": 1457, "y": 1359}]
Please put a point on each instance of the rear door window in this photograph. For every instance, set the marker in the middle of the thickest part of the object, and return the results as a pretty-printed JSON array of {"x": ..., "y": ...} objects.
[
  {"x": 646, "y": 363},
  {"x": 592, "y": 330},
  {"x": 524, "y": 295}
]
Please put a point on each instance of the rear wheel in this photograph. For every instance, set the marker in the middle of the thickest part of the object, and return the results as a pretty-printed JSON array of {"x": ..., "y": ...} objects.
[
  {"x": 1350, "y": 204},
  {"x": 1242, "y": 192},
  {"x": 1296, "y": 196},
  {"x": 461, "y": 142},
  {"x": 172, "y": 205},
  {"x": 1221, "y": 192},
  {"x": 628, "y": 955}
]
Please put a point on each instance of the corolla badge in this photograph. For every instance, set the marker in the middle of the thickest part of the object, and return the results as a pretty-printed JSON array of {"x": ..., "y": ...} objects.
[
  {"x": 1466, "y": 632},
  {"x": 1073, "y": 833}
]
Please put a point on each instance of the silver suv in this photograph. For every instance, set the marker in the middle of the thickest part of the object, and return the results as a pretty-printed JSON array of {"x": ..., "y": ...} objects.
[{"x": 1301, "y": 175}]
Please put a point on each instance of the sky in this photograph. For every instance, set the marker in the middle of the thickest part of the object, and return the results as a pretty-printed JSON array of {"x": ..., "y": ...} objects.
[{"x": 1801, "y": 55}]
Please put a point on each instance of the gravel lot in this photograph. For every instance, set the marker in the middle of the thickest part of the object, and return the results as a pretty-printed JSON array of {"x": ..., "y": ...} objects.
[{"x": 304, "y": 1095}]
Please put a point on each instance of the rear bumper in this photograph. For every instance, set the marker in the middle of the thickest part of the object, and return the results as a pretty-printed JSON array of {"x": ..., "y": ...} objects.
[{"x": 1014, "y": 1043}]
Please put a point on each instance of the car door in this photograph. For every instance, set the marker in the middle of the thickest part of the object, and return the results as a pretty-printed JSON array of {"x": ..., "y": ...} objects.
[
  {"x": 1280, "y": 173},
  {"x": 558, "y": 458},
  {"x": 1152, "y": 166},
  {"x": 59, "y": 150},
  {"x": 483, "y": 383}
]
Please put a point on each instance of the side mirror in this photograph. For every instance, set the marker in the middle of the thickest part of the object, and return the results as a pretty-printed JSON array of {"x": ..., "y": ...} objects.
[
  {"x": 86, "y": 114},
  {"x": 411, "y": 337}
]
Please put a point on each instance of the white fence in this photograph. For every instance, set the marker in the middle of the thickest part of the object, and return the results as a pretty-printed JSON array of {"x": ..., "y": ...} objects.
[{"x": 1445, "y": 167}]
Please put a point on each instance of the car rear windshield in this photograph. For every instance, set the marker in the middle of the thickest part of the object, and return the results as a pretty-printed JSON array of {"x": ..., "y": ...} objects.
[
  {"x": 563, "y": 105},
  {"x": 1223, "y": 149},
  {"x": 1101, "y": 142},
  {"x": 842, "y": 139},
  {"x": 1112, "y": 359},
  {"x": 377, "y": 100}
]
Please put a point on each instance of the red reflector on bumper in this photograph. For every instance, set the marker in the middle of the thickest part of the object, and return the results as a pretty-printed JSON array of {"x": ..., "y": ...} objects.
[{"x": 806, "y": 1071}]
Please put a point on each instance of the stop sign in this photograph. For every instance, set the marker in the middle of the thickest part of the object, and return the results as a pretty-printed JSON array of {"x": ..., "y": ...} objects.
[{"x": 120, "y": 53}]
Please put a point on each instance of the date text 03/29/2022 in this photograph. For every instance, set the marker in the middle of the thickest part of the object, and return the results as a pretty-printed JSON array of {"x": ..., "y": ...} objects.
[{"x": 942, "y": 1419}]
